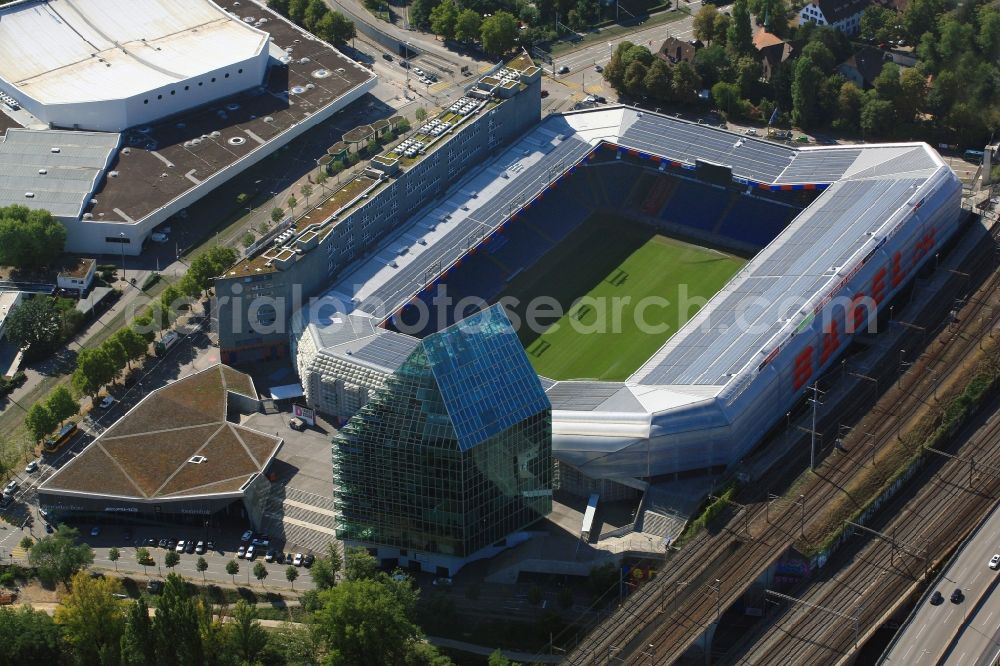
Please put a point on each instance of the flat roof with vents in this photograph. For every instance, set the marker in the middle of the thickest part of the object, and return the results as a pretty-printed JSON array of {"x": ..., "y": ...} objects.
[
  {"x": 177, "y": 443},
  {"x": 59, "y": 170}
]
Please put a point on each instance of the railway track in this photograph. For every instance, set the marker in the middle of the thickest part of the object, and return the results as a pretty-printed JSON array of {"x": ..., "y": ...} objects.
[
  {"x": 665, "y": 617},
  {"x": 877, "y": 575}
]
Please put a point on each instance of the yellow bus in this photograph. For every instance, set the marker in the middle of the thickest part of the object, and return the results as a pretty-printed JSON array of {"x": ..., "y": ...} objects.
[{"x": 54, "y": 444}]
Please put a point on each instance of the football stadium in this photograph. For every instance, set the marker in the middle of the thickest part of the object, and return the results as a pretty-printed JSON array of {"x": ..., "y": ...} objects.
[{"x": 676, "y": 287}]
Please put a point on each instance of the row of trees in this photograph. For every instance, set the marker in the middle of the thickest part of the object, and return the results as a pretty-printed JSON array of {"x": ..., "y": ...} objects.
[
  {"x": 498, "y": 33},
  {"x": 368, "y": 618},
  {"x": 46, "y": 415},
  {"x": 316, "y": 17},
  {"x": 29, "y": 239}
]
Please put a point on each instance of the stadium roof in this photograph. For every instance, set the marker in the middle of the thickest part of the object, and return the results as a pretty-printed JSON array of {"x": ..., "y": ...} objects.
[
  {"x": 177, "y": 443},
  {"x": 868, "y": 191},
  {"x": 60, "y": 170},
  {"x": 62, "y": 51}
]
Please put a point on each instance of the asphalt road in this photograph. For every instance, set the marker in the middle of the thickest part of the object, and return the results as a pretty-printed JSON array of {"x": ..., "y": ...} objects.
[{"x": 962, "y": 633}]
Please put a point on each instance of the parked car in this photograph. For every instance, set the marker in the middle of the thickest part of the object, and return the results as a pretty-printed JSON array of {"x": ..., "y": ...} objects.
[
  {"x": 200, "y": 548},
  {"x": 43, "y": 513},
  {"x": 261, "y": 542},
  {"x": 297, "y": 560},
  {"x": 751, "y": 132},
  {"x": 442, "y": 581},
  {"x": 210, "y": 546},
  {"x": 31, "y": 467},
  {"x": 158, "y": 237},
  {"x": 957, "y": 596},
  {"x": 48, "y": 528},
  {"x": 563, "y": 70},
  {"x": 241, "y": 552},
  {"x": 180, "y": 546},
  {"x": 251, "y": 553},
  {"x": 150, "y": 543},
  {"x": 10, "y": 487},
  {"x": 279, "y": 557},
  {"x": 295, "y": 423},
  {"x": 995, "y": 561},
  {"x": 387, "y": 56},
  {"x": 189, "y": 547},
  {"x": 171, "y": 544},
  {"x": 419, "y": 72},
  {"x": 154, "y": 586},
  {"x": 308, "y": 560},
  {"x": 598, "y": 69},
  {"x": 163, "y": 543},
  {"x": 95, "y": 531},
  {"x": 107, "y": 402},
  {"x": 247, "y": 536},
  {"x": 269, "y": 556},
  {"x": 937, "y": 598}
]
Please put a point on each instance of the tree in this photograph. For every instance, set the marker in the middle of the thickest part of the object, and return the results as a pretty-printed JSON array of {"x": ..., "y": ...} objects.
[
  {"x": 498, "y": 33},
  {"x": 29, "y": 636},
  {"x": 805, "y": 87},
  {"x": 292, "y": 202},
  {"x": 443, "y": 18},
  {"x": 359, "y": 564},
  {"x": 878, "y": 24},
  {"x": 26, "y": 542},
  {"x": 116, "y": 351},
  {"x": 137, "y": 636},
  {"x": 324, "y": 569},
  {"x": 635, "y": 78},
  {"x": 497, "y": 659},
  {"x": 713, "y": 65},
  {"x": 421, "y": 114},
  {"x": 29, "y": 239},
  {"x": 135, "y": 345},
  {"x": 202, "y": 566},
  {"x": 821, "y": 55},
  {"x": 94, "y": 369},
  {"x": 246, "y": 638},
  {"x": 849, "y": 100},
  {"x": 420, "y": 13},
  {"x": 92, "y": 618},
  {"x": 233, "y": 568},
  {"x": 58, "y": 556},
  {"x": 335, "y": 28},
  {"x": 657, "y": 83},
  {"x": 368, "y": 621},
  {"x": 685, "y": 83},
  {"x": 209, "y": 265},
  {"x": 467, "y": 26},
  {"x": 721, "y": 32},
  {"x": 420, "y": 653},
  {"x": 739, "y": 39},
  {"x": 291, "y": 573},
  {"x": 912, "y": 94},
  {"x": 35, "y": 325},
  {"x": 260, "y": 572},
  {"x": 113, "y": 556},
  {"x": 306, "y": 191},
  {"x": 277, "y": 214},
  {"x": 773, "y": 15},
  {"x": 171, "y": 559},
  {"x": 321, "y": 178},
  {"x": 748, "y": 72},
  {"x": 315, "y": 10},
  {"x": 921, "y": 15},
  {"x": 177, "y": 625},
  {"x": 40, "y": 421},
  {"x": 143, "y": 557},
  {"x": 704, "y": 23},
  {"x": 876, "y": 115}
]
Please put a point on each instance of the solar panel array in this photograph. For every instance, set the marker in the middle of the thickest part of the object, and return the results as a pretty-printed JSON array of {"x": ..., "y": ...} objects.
[{"x": 733, "y": 329}]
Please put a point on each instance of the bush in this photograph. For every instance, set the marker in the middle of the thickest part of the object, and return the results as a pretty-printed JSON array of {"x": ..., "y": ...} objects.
[
  {"x": 150, "y": 280},
  {"x": 7, "y": 579},
  {"x": 8, "y": 384},
  {"x": 248, "y": 239}
]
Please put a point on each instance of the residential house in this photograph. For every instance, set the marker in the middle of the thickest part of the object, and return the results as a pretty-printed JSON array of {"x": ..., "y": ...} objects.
[
  {"x": 674, "y": 50},
  {"x": 866, "y": 64},
  {"x": 844, "y": 15},
  {"x": 772, "y": 51}
]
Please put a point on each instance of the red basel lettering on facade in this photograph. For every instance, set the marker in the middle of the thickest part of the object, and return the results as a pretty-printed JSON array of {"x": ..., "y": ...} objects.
[
  {"x": 831, "y": 342},
  {"x": 803, "y": 368}
]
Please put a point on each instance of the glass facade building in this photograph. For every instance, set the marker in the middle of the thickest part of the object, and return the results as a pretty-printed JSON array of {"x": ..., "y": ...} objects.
[{"x": 454, "y": 452}]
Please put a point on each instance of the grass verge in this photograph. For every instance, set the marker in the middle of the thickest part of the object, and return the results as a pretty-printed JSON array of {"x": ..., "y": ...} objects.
[{"x": 614, "y": 31}]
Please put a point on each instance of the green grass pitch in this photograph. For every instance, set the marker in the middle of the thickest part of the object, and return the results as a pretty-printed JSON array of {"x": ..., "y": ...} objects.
[{"x": 611, "y": 258}]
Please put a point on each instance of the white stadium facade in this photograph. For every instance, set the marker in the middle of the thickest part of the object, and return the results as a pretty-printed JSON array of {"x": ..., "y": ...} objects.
[
  {"x": 122, "y": 113},
  {"x": 715, "y": 388}
]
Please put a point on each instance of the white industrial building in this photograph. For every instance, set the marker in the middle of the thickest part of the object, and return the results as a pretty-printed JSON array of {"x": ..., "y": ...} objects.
[
  {"x": 150, "y": 105},
  {"x": 108, "y": 65}
]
